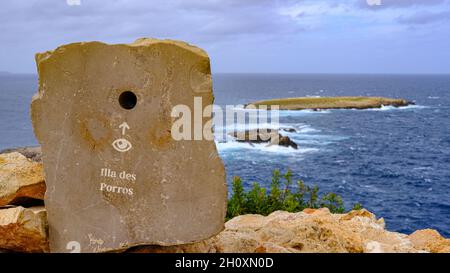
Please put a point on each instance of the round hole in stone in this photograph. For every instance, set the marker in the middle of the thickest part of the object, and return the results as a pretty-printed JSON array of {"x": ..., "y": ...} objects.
[{"x": 127, "y": 100}]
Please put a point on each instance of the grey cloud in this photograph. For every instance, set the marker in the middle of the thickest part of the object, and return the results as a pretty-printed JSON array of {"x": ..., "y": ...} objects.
[
  {"x": 204, "y": 20},
  {"x": 239, "y": 35}
]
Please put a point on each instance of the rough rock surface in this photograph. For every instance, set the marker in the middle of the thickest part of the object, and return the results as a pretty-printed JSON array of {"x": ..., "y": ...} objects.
[
  {"x": 23, "y": 229},
  {"x": 284, "y": 141},
  {"x": 117, "y": 176},
  {"x": 312, "y": 230},
  {"x": 430, "y": 240},
  {"x": 33, "y": 153},
  {"x": 21, "y": 179}
]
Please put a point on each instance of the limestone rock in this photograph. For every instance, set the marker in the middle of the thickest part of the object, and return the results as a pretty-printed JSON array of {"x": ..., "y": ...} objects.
[
  {"x": 23, "y": 229},
  {"x": 116, "y": 177},
  {"x": 33, "y": 153},
  {"x": 430, "y": 240},
  {"x": 313, "y": 230},
  {"x": 20, "y": 179}
]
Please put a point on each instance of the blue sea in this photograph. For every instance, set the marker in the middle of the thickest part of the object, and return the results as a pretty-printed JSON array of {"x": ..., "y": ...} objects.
[{"x": 394, "y": 161}]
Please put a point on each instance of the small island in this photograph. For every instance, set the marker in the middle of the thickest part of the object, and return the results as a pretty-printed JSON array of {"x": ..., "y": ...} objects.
[{"x": 319, "y": 103}]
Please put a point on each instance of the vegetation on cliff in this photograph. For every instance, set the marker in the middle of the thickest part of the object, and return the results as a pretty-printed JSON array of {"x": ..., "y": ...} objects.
[
  {"x": 331, "y": 103},
  {"x": 283, "y": 195}
]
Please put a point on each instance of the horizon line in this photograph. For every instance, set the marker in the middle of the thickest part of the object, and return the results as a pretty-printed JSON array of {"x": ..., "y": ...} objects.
[{"x": 289, "y": 73}]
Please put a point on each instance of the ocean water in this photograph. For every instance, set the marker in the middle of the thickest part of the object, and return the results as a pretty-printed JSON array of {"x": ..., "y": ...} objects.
[{"x": 394, "y": 161}]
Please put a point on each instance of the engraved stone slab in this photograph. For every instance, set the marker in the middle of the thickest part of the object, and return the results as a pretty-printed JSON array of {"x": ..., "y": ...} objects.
[{"x": 115, "y": 175}]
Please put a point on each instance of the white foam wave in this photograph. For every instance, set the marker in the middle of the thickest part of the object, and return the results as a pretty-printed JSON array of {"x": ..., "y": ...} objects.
[
  {"x": 423, "y": 168},
  {"x": 250, "y": 126},
  {"x": 262, "y": 147},
  {"x": 390, "y": 107},
  {"x": 300, "y": 128},
  {"x": 304, "y": 129},
  {"x": 333, "y": 138},
  {"x": 285, "y": 113},
  {"x": 303, "y": 142}
]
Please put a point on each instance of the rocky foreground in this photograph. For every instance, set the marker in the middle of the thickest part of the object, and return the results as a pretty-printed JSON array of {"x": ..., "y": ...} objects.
[
  {"x": 319, "y": 103},
  {"x": 23, "y": 224}
]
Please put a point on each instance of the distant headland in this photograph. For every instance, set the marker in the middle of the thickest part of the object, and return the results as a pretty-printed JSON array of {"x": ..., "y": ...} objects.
[{"x": 318, "y": 103}]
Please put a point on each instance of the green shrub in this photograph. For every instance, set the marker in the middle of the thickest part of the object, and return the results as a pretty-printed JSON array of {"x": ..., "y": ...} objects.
[{"x": 283, "y": 195}]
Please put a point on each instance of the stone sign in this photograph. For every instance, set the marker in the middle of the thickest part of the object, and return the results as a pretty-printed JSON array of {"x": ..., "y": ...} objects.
[{"x": 115, "y": 176}]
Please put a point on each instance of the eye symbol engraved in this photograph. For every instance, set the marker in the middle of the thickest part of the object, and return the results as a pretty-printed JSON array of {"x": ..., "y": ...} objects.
[{"x": 122, "y": 145}]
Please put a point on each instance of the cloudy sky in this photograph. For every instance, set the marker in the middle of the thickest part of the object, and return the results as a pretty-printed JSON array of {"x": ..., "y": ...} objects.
[{"x": 285, "y": 36}]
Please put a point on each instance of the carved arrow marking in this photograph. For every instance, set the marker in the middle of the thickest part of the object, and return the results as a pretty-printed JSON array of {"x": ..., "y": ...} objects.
[{"x": 124, "y": 126}]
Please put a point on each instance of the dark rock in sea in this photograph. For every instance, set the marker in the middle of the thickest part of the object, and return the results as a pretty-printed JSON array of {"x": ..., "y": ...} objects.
[
  {"x": 289, "y": 130},
  {"x": 255, "y": 136},
  {"x": 287, "y": 142},
  {"x": 270, "y": 136}
]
